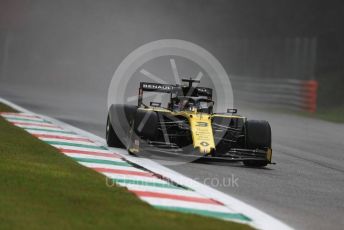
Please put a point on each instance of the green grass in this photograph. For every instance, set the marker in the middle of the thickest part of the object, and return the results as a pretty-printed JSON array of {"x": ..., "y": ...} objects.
[
  {"x": 41, "y": 188},
  {"x": 6, "y": 108},
  {"x": 331, "y": 114},
  {"x": 330, "y": 96},
  {"x": 330, "y": 93},
  {"x": 335, "y": 115}
]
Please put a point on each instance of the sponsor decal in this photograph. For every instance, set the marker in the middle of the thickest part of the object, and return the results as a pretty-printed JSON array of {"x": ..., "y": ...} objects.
[
  {"x": 157, "y": 87},
  {"x": 202, "y": 124},
  {"x": 205, "y": 144}
]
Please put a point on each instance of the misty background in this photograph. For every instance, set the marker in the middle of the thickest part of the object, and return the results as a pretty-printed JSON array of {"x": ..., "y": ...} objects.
[{"x": 71, "y": 48}]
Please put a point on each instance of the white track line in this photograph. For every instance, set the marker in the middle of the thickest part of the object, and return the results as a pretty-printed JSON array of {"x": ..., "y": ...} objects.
[{"x": 185, "y": 204}]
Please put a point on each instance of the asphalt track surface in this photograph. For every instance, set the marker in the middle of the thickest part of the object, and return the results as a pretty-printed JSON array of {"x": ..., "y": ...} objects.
[{"x": 304, "y": 189}]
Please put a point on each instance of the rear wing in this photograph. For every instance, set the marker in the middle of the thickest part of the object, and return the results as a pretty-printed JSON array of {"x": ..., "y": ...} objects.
[
  {"x": 155, "y": 87},
  {"x": 173, "y": 89}
]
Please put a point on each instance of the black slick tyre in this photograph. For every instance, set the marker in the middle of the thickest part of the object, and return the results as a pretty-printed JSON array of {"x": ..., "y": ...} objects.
[{"x": 258, "y": 136}]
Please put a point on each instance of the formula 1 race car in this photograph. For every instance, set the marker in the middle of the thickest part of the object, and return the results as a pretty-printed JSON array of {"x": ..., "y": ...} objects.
[{"x": 188, "y": 126}]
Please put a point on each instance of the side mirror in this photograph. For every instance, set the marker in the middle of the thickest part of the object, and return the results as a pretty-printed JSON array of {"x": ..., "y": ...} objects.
[
  {"x": 155, "y": 104},
  {"x": 232, "y": 111}
]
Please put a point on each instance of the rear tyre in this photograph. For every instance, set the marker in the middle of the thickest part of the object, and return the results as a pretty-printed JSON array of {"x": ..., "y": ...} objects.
[
  {"x": 258, "y": 136},
  {"x": 112, "y": 139}
]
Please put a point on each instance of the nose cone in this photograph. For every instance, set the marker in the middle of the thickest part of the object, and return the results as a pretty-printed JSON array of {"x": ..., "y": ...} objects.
[
  {"x": 204, "y": 147},
  {"x": 202, "y": 133}
]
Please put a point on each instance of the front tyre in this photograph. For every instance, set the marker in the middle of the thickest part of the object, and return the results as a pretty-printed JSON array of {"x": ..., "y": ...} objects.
[
  {"x": 258, "y": 136},
  {"x": 112, "y": 139}
]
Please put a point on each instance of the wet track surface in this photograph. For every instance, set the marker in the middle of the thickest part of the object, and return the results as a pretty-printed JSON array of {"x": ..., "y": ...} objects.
[{"x": 304, "y": 189}]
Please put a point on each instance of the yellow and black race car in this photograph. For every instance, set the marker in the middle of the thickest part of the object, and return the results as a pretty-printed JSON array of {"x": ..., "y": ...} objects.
[{"x": 188, "y": 126}]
